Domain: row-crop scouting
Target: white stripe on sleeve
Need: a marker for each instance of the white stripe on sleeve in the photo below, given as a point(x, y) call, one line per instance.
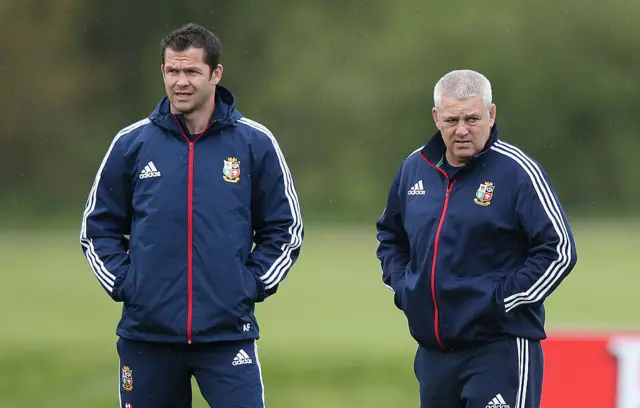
point(278, 269)
point(551, 208)
point(106, 278)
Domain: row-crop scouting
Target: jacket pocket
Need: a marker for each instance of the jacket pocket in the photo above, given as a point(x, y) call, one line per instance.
point(495, 314)
point(468, 308)
point(398, 295)
point(125, 288)
point(254, 287)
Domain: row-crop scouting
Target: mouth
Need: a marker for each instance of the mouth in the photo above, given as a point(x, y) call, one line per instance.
point(183, 95)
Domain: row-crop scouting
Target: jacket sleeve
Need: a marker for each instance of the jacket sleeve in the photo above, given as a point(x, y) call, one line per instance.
point(106, 222)
point(551, 248)
point(277, 221)
point(393, 243)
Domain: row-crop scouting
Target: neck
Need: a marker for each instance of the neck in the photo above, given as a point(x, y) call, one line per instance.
point(198, 120)
point(454, 161)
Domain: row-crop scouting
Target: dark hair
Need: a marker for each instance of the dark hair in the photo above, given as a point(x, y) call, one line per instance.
point(193, 35)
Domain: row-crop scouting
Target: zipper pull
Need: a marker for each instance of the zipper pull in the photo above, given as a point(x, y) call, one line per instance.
point(190, 146)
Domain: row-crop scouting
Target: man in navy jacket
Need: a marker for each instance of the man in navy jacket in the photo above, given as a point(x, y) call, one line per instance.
point(169, 229)
point(472, 241)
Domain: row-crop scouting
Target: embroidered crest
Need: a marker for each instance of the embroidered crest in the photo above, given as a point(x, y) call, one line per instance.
point(231, 170)
point(484, 194)
point(128, 405)
point(127, 378)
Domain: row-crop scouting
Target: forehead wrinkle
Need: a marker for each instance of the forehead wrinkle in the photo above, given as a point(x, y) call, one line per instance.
point(183, 57)
point(461, 112)
point(457, 111)
point(184, 65)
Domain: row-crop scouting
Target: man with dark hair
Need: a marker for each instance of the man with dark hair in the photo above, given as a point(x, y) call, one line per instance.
point(472, 241)
point(169, 228)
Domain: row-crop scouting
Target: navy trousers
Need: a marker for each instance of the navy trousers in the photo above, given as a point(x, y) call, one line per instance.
point(502, 374)
point(158, 375)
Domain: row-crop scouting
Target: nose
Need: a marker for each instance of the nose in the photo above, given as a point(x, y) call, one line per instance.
point(461, 128)
point(183, 80)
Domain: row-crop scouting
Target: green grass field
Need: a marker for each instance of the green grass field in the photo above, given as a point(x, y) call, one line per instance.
point(331, 337)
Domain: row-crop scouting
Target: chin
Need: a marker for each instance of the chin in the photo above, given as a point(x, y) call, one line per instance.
point(184, 109)
point(464, 157)
point(464, 154)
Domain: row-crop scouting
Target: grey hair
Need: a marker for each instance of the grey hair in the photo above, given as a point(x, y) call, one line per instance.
point(462, 85)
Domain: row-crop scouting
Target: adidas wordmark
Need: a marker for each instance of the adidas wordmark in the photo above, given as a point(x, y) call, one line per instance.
point(417, 189)
point(149, 171)
point(242, 358)
point(498, 402)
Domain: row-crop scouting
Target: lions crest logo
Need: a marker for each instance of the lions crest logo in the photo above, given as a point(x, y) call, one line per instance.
point(484, 194)
point(231, 170)
point(127, 378)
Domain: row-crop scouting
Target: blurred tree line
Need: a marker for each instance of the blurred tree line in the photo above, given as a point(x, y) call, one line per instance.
point(346, 87)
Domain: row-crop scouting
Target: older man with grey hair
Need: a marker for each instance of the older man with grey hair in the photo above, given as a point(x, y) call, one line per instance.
point(472, 241)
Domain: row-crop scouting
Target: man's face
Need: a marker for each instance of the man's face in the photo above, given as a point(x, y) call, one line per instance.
point(465, 126)
point(188, 80)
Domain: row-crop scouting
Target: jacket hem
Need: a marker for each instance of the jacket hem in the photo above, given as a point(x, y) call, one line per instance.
point(182, 339)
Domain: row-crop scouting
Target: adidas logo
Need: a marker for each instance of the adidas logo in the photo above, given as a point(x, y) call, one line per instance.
point(242, 358)
point(417, 189)
point(498, 402)
point(149, 171)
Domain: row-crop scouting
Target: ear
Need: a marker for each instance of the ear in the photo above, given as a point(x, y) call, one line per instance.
point(492, 114)
point(162, 69)
point(434, 113)
point(216, 75)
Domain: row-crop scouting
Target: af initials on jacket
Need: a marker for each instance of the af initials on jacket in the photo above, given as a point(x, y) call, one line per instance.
point(193, 206)
point(473, 258)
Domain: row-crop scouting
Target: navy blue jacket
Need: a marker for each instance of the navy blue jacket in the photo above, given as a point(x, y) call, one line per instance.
point(171, 220)
point(472, 258)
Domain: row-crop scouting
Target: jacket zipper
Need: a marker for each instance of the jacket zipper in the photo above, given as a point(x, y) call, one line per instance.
point(436, 313)
point(436, 244)
point(190, 243)
point(190, 228)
